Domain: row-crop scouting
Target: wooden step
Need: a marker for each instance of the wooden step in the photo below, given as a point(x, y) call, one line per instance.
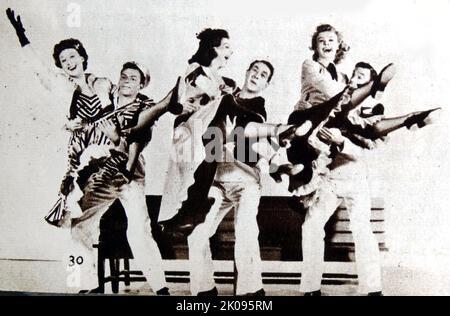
point(376, 214)
point(339, 238)
point(376, 203)
point(344, 226)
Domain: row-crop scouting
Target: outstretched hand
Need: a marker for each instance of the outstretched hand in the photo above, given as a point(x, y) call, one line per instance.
point(331, 136)
point(16, 23)
point(18, 26)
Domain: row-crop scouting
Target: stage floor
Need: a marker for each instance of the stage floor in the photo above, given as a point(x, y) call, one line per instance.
point(39, 276)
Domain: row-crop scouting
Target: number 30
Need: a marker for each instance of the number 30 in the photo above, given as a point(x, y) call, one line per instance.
point(78, 260)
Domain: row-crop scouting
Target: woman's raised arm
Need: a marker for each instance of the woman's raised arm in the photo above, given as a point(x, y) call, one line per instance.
point(46, 76)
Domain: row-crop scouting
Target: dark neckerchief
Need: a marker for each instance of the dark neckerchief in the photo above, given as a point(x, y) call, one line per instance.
point(331, 68)
point(333, 72)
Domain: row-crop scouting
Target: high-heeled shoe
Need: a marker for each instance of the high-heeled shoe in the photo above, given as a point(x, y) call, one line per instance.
point(380, 83)
point(287, 169)
point(367, 112)
point(174, 106)
point(418, 118)
point(292, 132)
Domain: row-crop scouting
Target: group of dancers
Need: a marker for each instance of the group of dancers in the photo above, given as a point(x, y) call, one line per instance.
point(220, 141)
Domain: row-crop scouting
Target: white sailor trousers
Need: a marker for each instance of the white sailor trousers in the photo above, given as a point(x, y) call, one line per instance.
point(85, 230)
point(356, 195)
point(244, 198)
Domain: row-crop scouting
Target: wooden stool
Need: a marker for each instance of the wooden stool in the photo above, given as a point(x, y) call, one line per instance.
point(113, 246)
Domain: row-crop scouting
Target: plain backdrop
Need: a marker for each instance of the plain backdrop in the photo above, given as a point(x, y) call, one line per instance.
point(410, 171)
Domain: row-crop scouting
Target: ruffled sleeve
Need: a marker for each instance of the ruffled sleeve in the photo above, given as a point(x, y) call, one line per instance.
point(355, 118)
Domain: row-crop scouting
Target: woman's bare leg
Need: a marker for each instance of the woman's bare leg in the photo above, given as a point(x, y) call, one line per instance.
point(388, 125)
point(262, 130)
point(169, 103)
point(149, 116)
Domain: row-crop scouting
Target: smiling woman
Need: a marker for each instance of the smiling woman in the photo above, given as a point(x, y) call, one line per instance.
point(90, 95)
point(328, 45)
point(223, 52)
point(408, 32)
point(205, 88)
point(71, 56)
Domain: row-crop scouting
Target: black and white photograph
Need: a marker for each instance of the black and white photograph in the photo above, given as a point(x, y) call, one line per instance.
point(225, 148)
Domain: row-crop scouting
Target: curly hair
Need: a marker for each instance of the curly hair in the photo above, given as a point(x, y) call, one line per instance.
point(342, 49)
point(209, 38)
point(67, 44)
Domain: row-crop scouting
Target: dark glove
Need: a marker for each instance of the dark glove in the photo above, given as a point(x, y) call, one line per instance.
point(18, 26)
point(66, 185)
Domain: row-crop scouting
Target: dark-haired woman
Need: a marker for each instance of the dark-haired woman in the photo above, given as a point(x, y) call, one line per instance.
point(204, 88)
point(89, 123)
point(91, 99)
point(103, 181)
point(90, 95)
point(203, 92)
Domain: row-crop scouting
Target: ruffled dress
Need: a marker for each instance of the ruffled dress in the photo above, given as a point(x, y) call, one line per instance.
point(204, 90)
point(336, 112)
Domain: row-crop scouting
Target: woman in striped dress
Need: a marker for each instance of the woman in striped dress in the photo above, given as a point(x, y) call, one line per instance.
point(103, 180)
point(91, 99)
point(90, 94)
